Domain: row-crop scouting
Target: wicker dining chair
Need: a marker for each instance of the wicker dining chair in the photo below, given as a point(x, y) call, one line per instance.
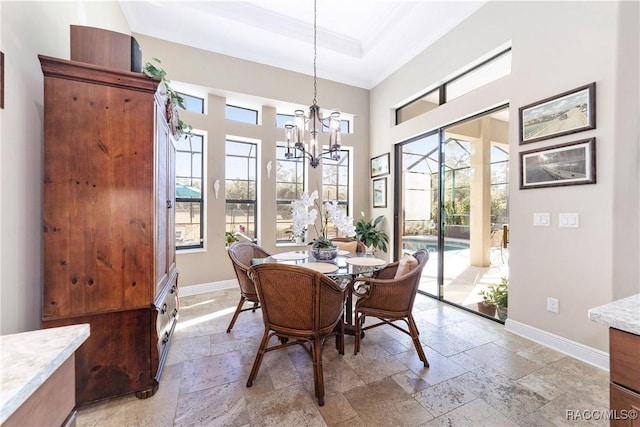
point(351, 245)
point(299, 306)
point(241, 254)
point(388, 296)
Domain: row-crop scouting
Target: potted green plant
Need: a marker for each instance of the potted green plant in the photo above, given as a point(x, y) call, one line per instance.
point(486, 306)
point(174, 99)
point(369, 234)
point(498, 295)
point(231, 237)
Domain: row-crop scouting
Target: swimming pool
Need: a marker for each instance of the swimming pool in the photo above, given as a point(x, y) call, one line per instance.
point(414, 243)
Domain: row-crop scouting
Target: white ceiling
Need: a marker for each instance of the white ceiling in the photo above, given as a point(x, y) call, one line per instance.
point(360, 42)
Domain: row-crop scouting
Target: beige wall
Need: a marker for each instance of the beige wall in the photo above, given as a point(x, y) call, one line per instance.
point(28, 29)
point(223, 79)
point(583, 267)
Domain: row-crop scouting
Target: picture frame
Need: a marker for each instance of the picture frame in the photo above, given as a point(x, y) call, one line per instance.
point(573, 163)
point(569, 112)
point(380, 165)
point(1, 80)
point(380, 193)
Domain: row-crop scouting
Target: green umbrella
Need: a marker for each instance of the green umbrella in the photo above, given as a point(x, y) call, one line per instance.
point(186, 191)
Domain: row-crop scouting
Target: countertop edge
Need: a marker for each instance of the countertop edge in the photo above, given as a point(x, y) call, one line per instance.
point(12, 403)
point(622, 314)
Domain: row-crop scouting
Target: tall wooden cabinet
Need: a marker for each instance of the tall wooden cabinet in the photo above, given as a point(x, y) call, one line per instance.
point(109, 238)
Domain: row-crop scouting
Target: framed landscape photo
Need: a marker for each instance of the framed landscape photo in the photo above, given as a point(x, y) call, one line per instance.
point(568, 112)
point(380, 165)
point(380, 193)
point(573, 163)
point(1, 80)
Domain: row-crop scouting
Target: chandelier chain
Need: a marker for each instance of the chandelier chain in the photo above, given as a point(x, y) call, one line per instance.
point(315, 51)
point(314, 123)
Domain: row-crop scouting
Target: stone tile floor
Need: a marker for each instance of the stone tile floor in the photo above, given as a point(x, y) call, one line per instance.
point(480, 375)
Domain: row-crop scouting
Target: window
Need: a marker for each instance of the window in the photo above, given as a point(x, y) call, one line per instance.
point(282, 119)
point(241, 114)
point(479, 75)
point(335, 184)
point(290, 175)
point(499, 185)
point(420, 106)
point(189, 201)
point(192, 103)
point(241, 171)
point(344, 126)
point(488, 71)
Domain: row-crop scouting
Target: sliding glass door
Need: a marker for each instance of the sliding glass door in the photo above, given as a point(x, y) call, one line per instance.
point(418, 217)
point(453, 199)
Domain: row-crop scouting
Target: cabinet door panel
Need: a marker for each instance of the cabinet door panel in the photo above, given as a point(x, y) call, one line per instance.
point(97, 198)
point(163, 204)
point(626, 406)
point(115, 359)
point(624, 359)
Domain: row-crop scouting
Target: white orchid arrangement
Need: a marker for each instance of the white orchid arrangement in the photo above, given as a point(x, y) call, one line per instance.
point(302, 217)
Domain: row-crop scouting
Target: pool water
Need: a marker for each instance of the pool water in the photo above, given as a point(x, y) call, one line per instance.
point(417, 244)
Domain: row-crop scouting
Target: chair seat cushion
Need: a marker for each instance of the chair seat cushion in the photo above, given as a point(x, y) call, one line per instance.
point(406, 265)
point(347, 246)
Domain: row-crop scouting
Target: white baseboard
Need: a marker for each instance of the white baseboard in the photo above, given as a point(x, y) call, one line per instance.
point(208, 287)
point(590, 355)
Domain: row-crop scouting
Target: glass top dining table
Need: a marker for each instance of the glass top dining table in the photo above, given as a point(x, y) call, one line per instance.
point(346, 265)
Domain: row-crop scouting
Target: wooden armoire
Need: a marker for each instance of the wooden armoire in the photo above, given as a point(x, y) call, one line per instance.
point(109, 238)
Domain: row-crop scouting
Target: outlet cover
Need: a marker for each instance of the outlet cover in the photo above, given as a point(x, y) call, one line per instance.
point(553, 305)
point(569, 220)
point(542, 219)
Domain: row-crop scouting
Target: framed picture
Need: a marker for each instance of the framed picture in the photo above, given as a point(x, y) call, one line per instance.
point(380, 193)
point(569, 112)
point(1, 80)
point(380, 165)
point(573, 163)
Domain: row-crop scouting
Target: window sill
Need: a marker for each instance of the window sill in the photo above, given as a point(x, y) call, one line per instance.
point(190, 251)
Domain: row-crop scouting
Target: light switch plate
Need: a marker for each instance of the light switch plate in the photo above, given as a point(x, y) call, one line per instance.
point(569, 220)
point(542, 219)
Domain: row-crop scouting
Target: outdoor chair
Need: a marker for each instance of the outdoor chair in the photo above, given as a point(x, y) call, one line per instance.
point(242, 254)
point(388, 296)
point(299, 306)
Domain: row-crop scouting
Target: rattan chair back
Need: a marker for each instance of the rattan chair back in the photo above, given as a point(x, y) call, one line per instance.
point(241, 255)
point(299, 306)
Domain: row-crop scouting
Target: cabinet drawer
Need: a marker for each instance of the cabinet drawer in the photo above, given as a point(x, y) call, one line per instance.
point(167, 311)
point(624, 349)
point(625, 405)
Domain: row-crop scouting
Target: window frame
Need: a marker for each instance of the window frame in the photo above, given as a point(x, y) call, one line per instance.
point(191, 200)
point(441, 89)
point(348, 203)
point(303, 163)
point(254, 201)
point(229, 107)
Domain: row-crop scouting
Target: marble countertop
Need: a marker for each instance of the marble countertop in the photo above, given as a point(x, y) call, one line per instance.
point(28, 359)
point(623, 314)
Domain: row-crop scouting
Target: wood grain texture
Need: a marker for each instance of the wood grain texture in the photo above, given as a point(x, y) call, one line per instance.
point(109, 248)
point(624, 359)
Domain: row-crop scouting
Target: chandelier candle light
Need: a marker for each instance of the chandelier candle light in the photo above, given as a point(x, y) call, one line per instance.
point(314, 123)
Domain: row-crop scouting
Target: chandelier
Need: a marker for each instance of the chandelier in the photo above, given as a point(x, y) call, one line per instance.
point(297, 146)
